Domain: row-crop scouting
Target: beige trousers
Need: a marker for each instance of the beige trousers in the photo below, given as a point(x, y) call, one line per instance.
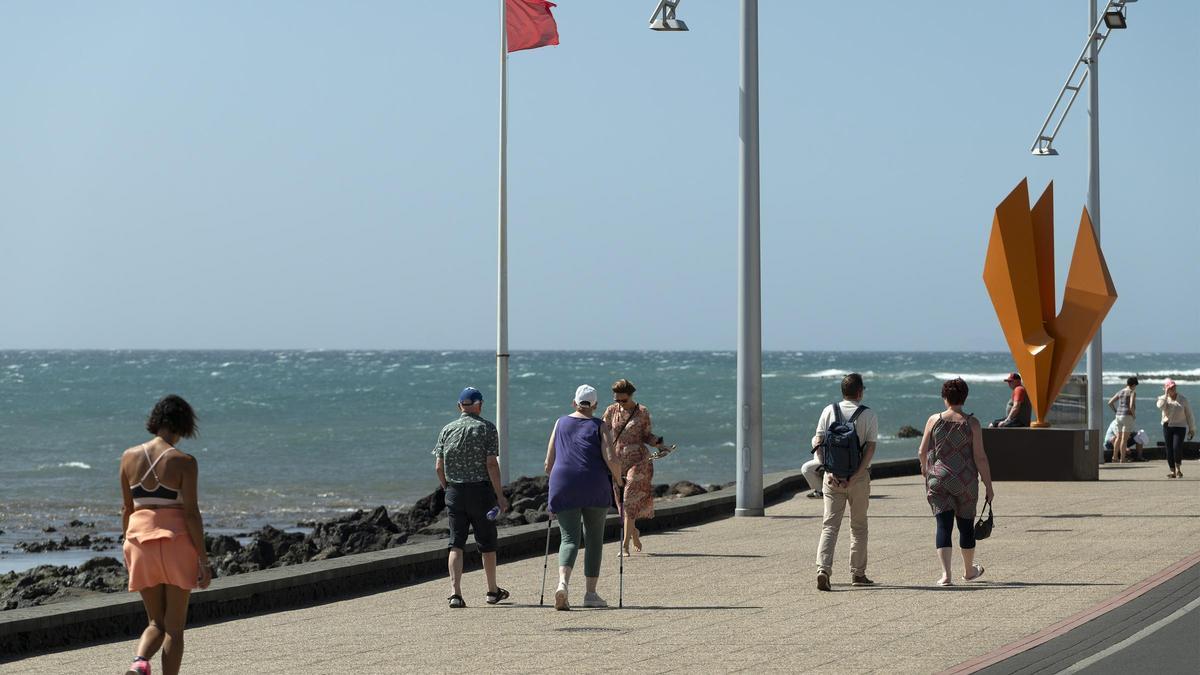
point(858, 496)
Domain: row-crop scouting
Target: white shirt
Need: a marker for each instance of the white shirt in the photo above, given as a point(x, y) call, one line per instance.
point(867, 424)
point(1177, 413)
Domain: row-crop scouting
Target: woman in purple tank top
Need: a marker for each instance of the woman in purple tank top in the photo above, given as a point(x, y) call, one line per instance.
point(581, 466)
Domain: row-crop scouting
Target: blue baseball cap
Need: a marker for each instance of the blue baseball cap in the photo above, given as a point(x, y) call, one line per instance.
point(470, 396)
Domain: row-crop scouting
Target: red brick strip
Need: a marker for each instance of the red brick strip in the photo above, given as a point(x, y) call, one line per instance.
point(1055, 630)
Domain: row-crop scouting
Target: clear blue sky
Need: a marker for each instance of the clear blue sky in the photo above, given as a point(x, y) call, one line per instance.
point(323, 175)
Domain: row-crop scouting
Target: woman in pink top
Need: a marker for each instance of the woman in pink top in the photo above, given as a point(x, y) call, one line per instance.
point(1177, 421)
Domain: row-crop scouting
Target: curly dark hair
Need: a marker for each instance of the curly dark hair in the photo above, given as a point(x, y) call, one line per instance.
point(173, 414)
point(955, 391)
point(1131, 381)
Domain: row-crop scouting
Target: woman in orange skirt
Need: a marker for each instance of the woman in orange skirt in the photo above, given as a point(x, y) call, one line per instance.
point(164, 535)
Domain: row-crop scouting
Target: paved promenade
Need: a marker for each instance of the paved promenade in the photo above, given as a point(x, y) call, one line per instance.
point(740, 594)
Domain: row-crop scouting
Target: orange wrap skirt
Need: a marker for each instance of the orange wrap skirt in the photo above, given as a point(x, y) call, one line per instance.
point(158, 550)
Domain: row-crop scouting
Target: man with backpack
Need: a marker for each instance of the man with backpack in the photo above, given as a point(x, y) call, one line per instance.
point(845, 443)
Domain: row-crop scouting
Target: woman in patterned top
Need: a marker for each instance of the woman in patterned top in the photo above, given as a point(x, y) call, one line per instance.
point(630, 422)
point(952, 461)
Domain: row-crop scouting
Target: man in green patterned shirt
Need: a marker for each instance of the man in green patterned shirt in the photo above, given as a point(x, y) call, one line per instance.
point(468, 468)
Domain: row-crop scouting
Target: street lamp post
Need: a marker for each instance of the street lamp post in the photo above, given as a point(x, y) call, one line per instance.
point(749, 359)
point(749, 337)
point(1087, 69)
point(1095, 351)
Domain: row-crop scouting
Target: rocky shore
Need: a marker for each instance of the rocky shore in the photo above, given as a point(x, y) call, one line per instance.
point(268, 546)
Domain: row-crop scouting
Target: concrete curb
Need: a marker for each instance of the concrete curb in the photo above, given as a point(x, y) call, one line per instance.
point(121, 615)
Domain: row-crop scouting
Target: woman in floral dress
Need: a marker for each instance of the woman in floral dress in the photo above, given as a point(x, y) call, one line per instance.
point(952, 462)
point(630, 422)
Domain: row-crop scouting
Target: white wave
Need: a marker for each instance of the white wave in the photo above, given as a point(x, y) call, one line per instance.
point(1161, 374)
point(770, 375)
point(831, 373)
point(65, 465)
point(729, 444)
point(215, 373)
point(530, 374)
point(828, 372)
point(227, 364)
point(973, 377)
point(1119, 380)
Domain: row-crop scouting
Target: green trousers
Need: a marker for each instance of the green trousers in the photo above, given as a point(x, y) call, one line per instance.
point(591, 520)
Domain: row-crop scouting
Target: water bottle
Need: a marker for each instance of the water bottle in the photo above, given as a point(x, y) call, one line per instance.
point(491, 515)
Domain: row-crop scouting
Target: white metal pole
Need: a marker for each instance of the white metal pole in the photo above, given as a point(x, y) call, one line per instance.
point(1095, 366)
point(749, 359)
point(502, 260)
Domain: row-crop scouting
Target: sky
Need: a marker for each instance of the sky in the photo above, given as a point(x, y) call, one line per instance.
point(320, 175)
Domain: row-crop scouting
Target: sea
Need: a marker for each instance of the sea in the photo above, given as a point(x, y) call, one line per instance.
point(288, 436)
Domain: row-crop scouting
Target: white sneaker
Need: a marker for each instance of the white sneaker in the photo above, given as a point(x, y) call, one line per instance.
point(560, 598)
point(593, 600)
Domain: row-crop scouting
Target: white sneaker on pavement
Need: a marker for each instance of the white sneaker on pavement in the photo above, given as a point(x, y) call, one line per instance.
point(560, 598)
point(593, 600)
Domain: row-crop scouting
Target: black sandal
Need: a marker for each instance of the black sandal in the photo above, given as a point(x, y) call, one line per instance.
point(457, 602)
point(500, 594)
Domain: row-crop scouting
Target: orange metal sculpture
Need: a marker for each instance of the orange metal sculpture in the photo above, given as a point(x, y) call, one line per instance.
point(1019, 275)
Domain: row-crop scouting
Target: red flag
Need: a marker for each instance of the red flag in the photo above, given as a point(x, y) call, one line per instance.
point(530, 24)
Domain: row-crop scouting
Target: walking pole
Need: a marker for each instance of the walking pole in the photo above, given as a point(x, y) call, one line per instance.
point(621, 554)
point(545, 562)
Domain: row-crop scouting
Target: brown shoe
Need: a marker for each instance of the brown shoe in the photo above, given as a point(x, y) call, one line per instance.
point(822, 580)
point(861, 581)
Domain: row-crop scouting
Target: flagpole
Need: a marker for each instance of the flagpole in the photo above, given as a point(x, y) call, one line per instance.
point(502, 259)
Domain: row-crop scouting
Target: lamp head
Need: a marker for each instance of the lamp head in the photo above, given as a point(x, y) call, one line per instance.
point(663, 19)
point(668, 25)
point(1114, 19)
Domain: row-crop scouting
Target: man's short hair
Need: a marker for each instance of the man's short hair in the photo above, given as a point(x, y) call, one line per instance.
point(852, 385)
point(1131, 382)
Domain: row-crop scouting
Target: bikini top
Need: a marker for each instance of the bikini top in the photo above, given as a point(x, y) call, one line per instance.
point(159, 496)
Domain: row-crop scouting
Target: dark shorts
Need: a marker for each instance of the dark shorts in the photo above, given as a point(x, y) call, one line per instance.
point(468, 504)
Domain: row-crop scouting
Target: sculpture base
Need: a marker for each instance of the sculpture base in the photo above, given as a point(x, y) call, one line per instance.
point(1043, 454)
point(1039, 425)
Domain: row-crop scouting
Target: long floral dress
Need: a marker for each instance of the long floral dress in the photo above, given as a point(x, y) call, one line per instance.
point(634, 457)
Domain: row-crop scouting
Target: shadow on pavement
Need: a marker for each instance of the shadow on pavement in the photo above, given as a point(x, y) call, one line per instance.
point(703, 555)
point(978, 585)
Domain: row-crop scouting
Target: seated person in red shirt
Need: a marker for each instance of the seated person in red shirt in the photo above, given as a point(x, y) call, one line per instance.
point(1019, 411)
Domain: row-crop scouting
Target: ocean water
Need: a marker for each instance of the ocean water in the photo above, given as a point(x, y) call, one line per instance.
point(291, 435)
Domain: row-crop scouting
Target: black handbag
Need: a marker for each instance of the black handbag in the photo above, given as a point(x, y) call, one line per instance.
point(983, 526)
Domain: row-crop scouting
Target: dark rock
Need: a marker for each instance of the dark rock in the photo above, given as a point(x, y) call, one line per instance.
point(80, 523)
point(525, 503)
point(661, 490)
point(512, 518)
point(327, 553)
point(221, 545)
point(49, 583)
point(48, 529)
point(686, 488)
point(536, 516)
point(712, 487)
point(439, 529)
point(103, 563)
point(908, 432)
